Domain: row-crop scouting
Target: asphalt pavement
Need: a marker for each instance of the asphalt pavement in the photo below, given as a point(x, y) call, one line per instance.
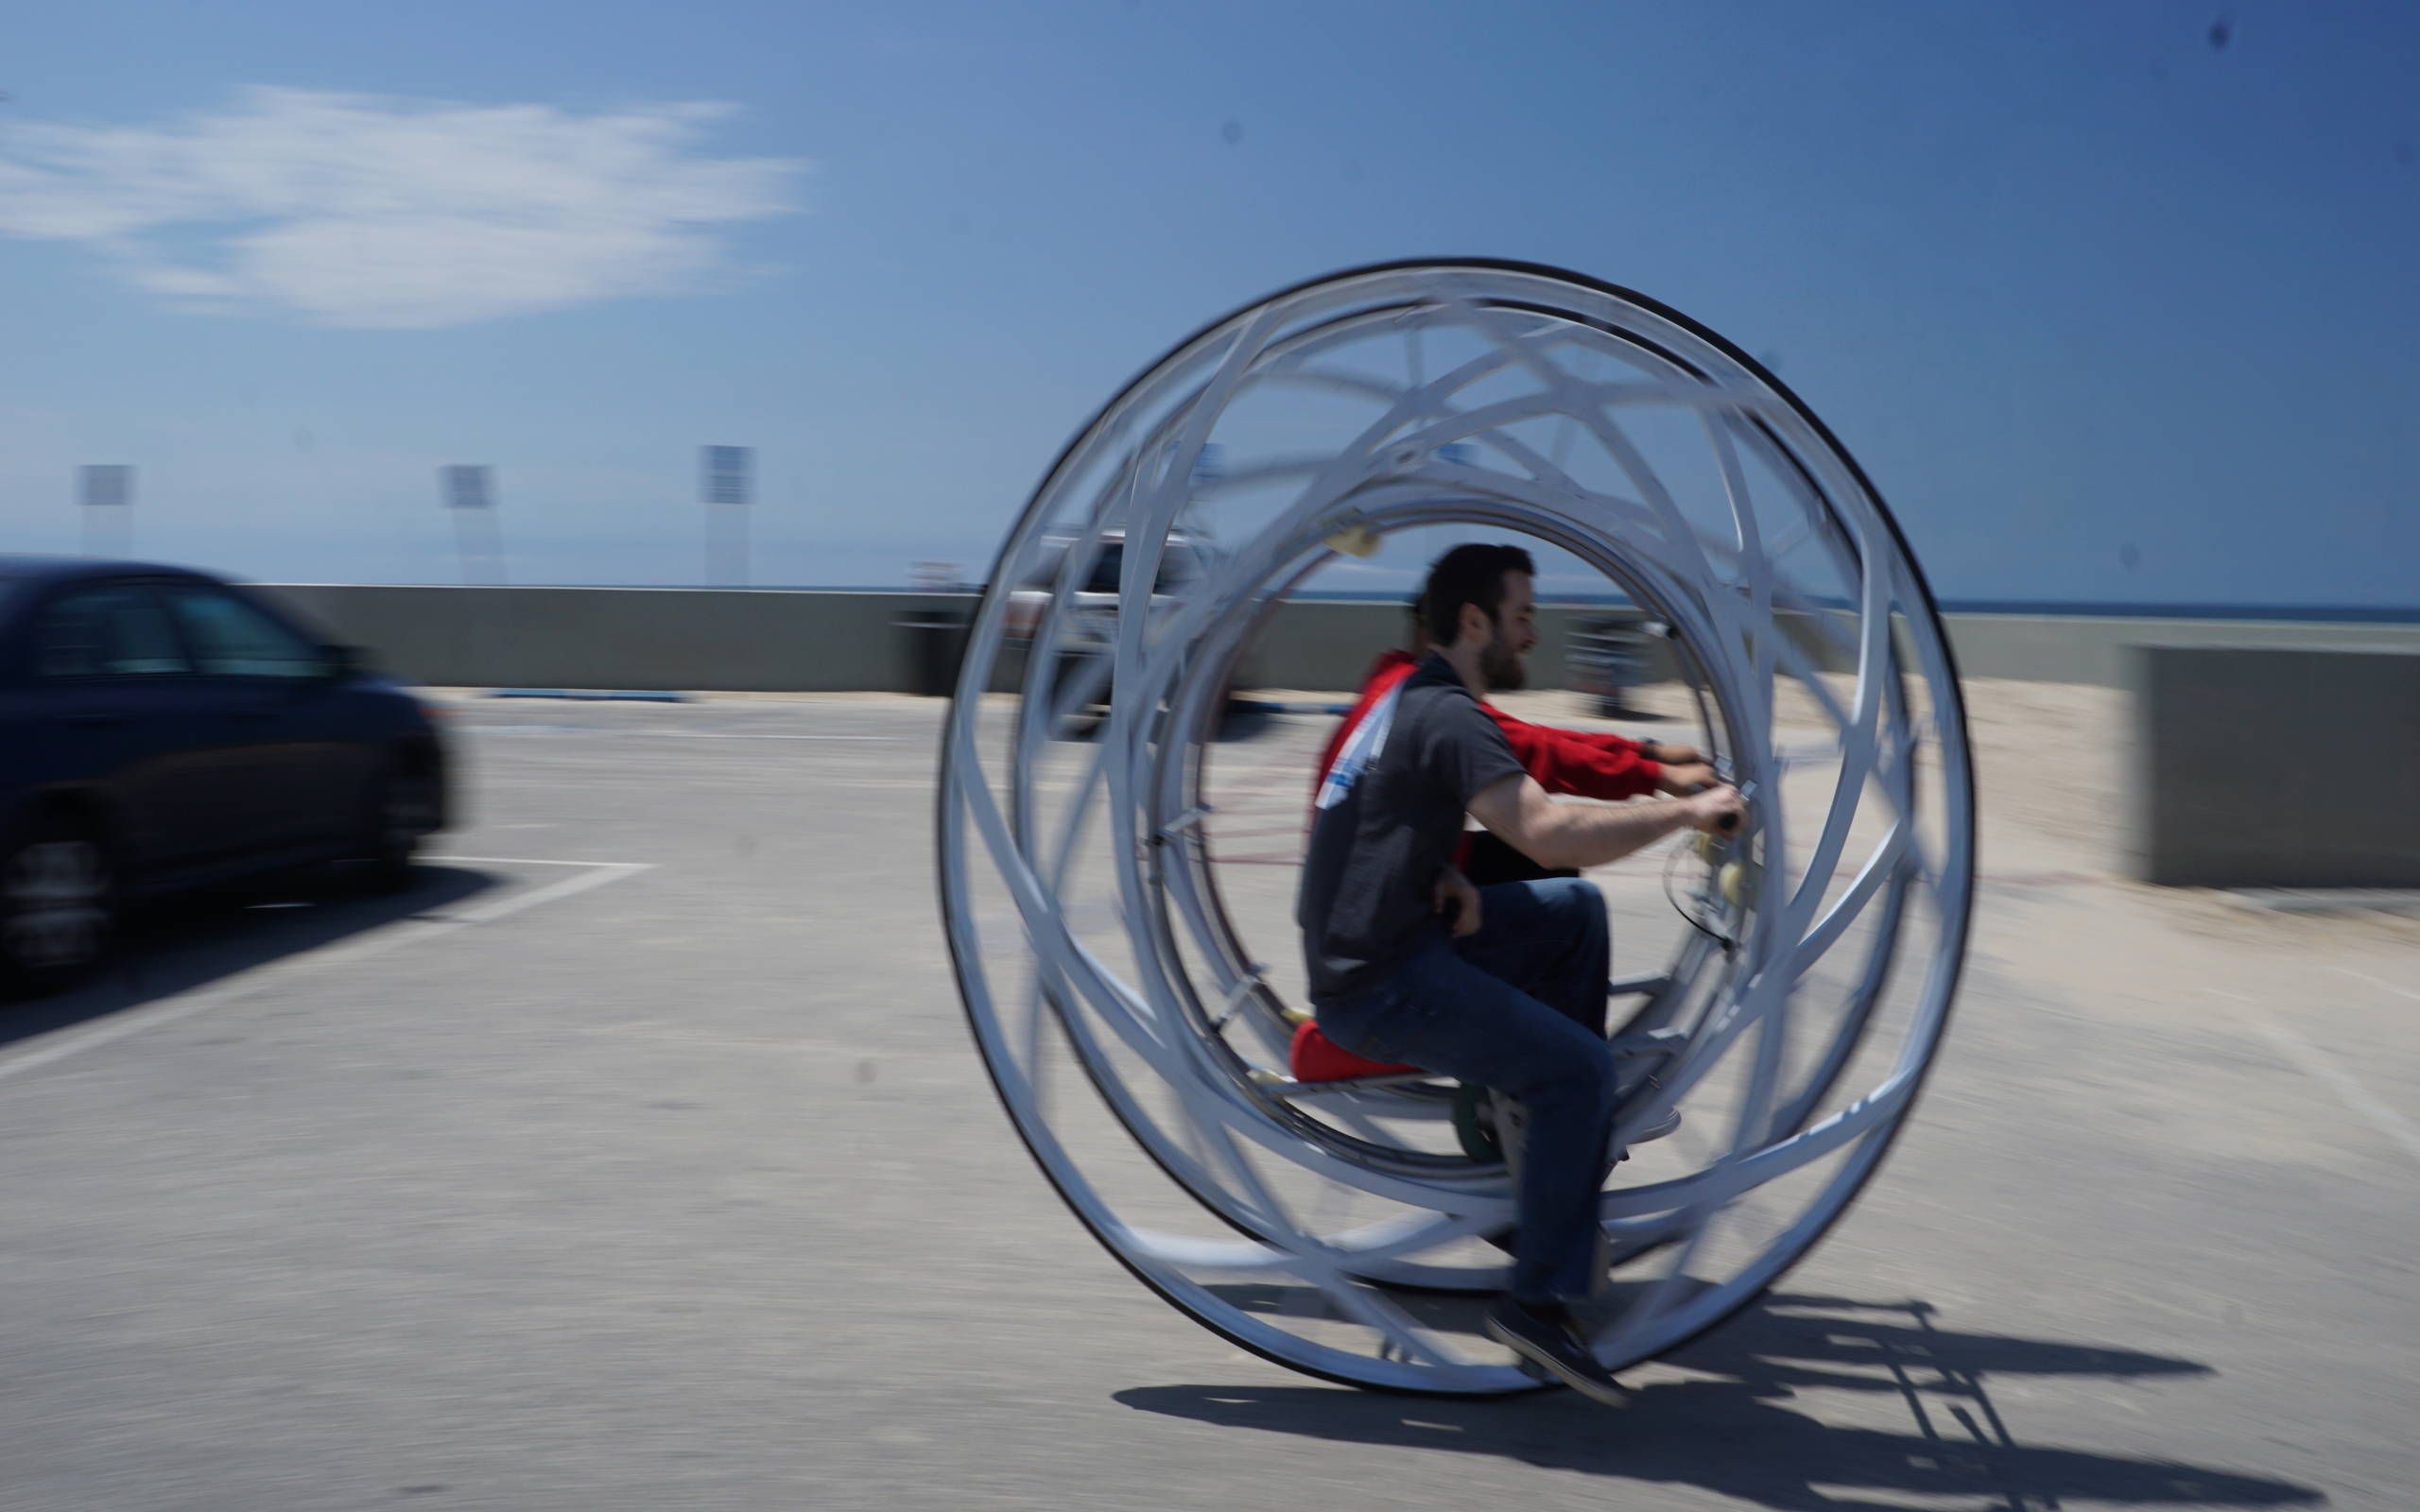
point(638, 1156)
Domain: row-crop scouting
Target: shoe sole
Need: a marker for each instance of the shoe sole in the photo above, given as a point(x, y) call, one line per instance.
point(1610, 1393)
point(1659, 1129)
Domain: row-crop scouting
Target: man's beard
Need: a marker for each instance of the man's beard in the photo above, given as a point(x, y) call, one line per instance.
point(1500, 666)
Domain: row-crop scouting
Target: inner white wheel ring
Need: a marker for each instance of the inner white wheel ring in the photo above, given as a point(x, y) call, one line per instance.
point(1868, 878)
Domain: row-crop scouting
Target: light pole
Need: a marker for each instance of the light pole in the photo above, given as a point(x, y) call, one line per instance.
point(469, 494)
point(727, 478)
point(106, 491)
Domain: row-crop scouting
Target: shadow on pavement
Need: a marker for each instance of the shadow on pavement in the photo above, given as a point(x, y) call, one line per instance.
point(1245, 719)
point(176, 946)
point(1727, 1435)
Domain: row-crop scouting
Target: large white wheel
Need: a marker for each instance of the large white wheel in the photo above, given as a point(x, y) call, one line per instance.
point(1131, 998)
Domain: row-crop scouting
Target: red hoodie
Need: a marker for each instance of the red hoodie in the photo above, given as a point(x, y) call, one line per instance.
point(1577, 761)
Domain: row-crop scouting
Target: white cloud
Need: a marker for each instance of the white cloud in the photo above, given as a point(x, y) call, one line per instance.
point(352, 210)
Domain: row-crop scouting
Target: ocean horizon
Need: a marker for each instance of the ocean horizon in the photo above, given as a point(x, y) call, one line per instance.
point(2068, 608)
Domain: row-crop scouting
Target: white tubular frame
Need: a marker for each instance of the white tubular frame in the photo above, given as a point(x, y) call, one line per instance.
point(1176, 1046)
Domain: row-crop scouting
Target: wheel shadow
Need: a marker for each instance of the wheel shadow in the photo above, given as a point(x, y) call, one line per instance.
point(1241, 721)
point(1246, 719)
point(168, 948)
point(1724, 1431)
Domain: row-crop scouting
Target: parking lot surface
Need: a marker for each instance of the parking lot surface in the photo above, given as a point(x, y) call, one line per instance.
point(638, 1156)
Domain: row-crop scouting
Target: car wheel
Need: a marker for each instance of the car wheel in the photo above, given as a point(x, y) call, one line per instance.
point(58, 906)
point(403, 809)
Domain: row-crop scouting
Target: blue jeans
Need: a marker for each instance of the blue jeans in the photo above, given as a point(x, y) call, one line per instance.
point(1518, 1006)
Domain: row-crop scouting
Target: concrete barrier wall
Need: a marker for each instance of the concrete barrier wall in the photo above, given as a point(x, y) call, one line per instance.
point(2211, 695)
point(1324, 644)
point(2095, 651)
point(2256, 766)
point(808, 640)
point(701, 638)
point(766, 641)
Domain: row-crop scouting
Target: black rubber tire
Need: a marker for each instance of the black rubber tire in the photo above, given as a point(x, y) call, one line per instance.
point(387, 850)
point(1473, 1131)
point(20, 978)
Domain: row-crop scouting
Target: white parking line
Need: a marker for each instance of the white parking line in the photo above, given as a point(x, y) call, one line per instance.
point(51, 1049)
point(2365, 976)
point(603, 872)
point(665, 734)
point(523, 861)
point(2307, 1058)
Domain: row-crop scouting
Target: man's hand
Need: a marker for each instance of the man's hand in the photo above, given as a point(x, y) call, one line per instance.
point(1455, 897)
point(1685, 768)
point(1680, 779)
point(1717, 811)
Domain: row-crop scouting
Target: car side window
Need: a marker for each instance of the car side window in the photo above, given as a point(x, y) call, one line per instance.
point(113, 631)
point(1176, 569)
point(231, 639)
point(1106, 571)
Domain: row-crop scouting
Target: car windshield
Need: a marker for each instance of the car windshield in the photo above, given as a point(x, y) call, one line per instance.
point(1176, 569)
point(1179, 565)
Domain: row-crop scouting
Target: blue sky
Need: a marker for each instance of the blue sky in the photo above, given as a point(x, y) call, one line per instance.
point(2108, 311)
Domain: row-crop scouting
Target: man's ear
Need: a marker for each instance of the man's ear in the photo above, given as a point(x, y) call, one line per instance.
point(1472, 625)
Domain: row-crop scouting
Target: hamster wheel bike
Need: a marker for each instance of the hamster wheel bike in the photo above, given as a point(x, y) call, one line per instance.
point(1113, 955)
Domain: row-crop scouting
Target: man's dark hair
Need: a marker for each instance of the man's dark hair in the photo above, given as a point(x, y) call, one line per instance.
point(1468, 574)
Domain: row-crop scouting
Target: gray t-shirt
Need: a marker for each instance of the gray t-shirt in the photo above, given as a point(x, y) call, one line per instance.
point(1388, 820)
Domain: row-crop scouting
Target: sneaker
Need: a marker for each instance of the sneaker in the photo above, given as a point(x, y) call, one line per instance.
point(1660, 1129)
point(1549, 1341)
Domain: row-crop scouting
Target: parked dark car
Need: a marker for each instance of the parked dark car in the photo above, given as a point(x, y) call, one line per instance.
point(162, 730)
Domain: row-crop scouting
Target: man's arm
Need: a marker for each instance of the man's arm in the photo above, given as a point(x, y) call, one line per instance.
point(1583, 765)
point(1556, 836)
point(1600, 765)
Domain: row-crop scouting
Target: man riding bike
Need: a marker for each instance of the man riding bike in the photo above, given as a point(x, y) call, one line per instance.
point(1501, 987)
